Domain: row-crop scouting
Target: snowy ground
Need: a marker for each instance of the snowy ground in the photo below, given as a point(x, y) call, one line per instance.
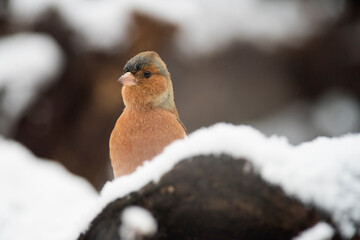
point(40, 200)
point(44, 200)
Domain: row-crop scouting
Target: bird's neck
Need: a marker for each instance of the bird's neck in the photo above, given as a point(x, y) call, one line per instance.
point(135, 99)
point(168, 105)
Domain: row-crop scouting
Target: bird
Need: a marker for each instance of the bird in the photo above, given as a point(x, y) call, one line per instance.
point(150, 120)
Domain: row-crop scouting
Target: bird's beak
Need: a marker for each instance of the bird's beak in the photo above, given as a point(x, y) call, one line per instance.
point(127, 79)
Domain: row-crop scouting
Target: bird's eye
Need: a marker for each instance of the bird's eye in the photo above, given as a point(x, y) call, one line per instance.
point(138, 66)
point(147, 74)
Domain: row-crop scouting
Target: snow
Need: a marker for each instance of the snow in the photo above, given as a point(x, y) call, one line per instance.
point(204, 26)
point(321, 231)
point(46, 202)
point(137, 221)
point(28, 63)
point(40, 199)
point(323, 172)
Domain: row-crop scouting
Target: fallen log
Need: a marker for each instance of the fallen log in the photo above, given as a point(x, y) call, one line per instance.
point(212, 197)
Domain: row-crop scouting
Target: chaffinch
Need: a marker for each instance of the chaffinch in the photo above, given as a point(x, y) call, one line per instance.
point(150, 120)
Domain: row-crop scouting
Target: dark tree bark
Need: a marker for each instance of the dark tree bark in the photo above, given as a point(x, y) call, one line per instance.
point(211, 197)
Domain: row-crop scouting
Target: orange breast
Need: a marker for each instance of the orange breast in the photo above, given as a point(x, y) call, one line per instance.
point(141, 135)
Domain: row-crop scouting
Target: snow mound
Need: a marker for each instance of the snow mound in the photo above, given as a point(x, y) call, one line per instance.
point(40, 199)
point(324, 172)
point(28, 63)
point(203, 25)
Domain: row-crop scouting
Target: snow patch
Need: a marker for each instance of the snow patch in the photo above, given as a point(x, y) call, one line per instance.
point(323, 172)
point(28, 63)
point(321, 231)
point(137, 223)
point(40, 199)
point(204, 26)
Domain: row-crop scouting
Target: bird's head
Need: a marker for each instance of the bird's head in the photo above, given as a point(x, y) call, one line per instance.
point(147, 82)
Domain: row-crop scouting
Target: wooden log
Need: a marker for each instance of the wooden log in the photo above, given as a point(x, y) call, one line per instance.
point(210, 197)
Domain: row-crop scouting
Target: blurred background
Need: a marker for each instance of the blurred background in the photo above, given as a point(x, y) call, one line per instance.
point(290, 68)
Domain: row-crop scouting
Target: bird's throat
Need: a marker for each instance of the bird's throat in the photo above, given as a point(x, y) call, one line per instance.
point(137, 98)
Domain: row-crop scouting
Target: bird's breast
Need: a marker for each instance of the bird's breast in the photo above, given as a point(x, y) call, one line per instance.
point(141, 135)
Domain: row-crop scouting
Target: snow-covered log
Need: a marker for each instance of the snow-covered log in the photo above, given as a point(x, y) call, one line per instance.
point(229, 182)
point(210, 198)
